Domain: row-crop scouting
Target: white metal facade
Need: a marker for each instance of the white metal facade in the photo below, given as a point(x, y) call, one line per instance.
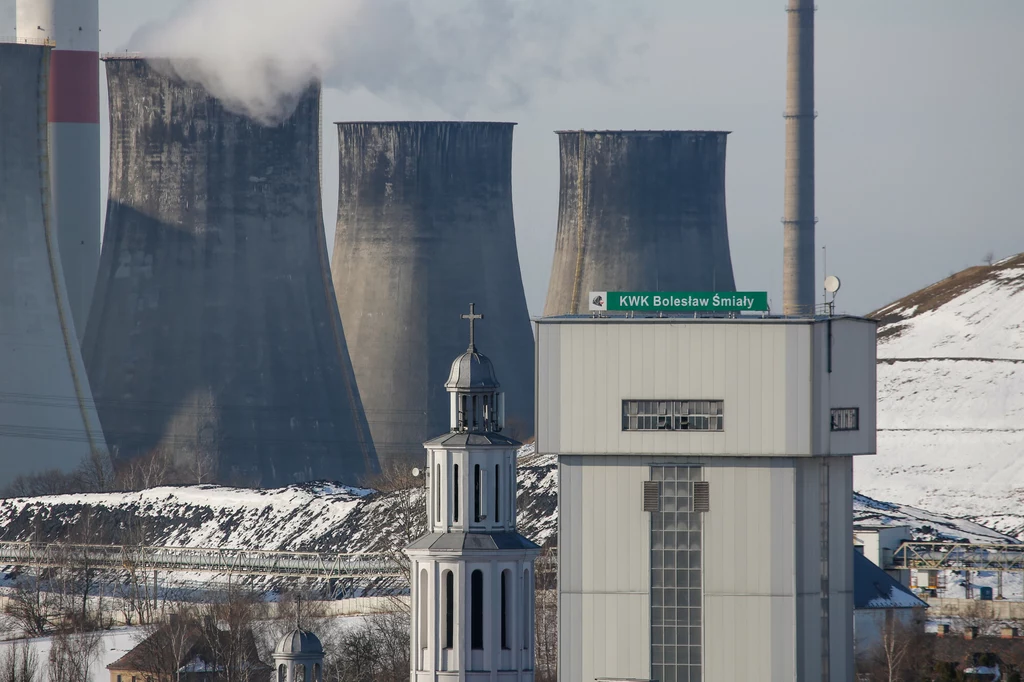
point(776, 543)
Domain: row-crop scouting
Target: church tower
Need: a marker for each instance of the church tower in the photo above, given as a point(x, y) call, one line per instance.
point(472, 573)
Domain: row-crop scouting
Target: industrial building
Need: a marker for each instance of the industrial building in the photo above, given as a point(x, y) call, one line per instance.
point(639, 211)
point(72, 27)
point(424, 224)
point(47, 417)
point(214, 332)
point(705, 497)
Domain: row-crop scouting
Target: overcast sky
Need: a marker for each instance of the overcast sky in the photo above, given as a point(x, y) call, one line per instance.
point(919, 132)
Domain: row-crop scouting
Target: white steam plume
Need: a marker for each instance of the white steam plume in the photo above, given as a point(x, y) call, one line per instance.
point(258, 55)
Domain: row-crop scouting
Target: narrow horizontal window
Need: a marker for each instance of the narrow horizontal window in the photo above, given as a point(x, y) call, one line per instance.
point(673, 415)
point(845, 418)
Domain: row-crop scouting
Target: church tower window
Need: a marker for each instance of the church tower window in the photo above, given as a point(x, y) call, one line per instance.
point(477, 493)
point(424, 598)
point(455, 500)
point(449, 609)
point(437, 493)
point(476, 605)
point(506, 575)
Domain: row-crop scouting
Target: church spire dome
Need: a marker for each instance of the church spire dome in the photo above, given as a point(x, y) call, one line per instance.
point(476, 403)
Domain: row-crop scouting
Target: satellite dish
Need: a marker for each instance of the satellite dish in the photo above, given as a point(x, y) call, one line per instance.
point(832, 284)
point(416, 472)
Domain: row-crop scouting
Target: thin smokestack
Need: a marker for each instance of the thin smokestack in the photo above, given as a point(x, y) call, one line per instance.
point(798, 221)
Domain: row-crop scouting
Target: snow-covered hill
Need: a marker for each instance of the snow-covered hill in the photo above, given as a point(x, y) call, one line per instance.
point(951, 398)
point(322, 517)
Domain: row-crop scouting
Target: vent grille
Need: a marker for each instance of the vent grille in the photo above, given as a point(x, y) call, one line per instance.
point(701, 496)
point(652, 496)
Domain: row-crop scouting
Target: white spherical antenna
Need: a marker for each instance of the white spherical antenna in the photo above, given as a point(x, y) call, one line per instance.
point(832, 284)
point(416, 472)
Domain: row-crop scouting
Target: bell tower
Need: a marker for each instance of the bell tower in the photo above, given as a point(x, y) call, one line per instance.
point(472, 574)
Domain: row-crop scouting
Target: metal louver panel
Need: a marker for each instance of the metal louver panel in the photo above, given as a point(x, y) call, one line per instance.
point(652, 496)
point(701, 496)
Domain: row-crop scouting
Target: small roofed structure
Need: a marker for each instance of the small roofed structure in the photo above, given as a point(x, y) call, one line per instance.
point(182, 650)
point(879, 601)
point(299, 657)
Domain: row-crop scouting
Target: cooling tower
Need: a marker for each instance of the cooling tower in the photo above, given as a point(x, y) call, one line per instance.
point(798, 282)
point(47, 420)
point(74, 117)
point(425, 228)
point(214, 332)
point(639, 211)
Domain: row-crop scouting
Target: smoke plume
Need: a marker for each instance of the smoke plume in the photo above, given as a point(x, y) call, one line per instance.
point(258, 55)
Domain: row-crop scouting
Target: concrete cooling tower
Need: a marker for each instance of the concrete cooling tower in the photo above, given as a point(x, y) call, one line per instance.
point(425, 228)
point(639, 211)
point(47, 419)
point(214, 332)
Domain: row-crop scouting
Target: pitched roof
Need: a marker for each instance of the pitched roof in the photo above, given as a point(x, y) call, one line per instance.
point(873, 588)
point(197, 654)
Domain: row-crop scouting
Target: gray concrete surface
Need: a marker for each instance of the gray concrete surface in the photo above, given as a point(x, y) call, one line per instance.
point(47, 418)
point(425, 227)
point(214, 332)
point(639, 211)
point(798, 281)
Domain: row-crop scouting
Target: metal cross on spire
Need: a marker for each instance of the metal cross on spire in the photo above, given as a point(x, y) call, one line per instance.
point(472, 317)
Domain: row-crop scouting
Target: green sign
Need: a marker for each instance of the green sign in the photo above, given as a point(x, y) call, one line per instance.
point(680, 302)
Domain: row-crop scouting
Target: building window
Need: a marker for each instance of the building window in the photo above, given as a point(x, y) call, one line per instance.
point(506, 576)
point(300, 672)
point(282, 673)
point(497, 493)
point(676, 578)
point(476, 608)
point(437, 493)
point(845, 418)
point(672, 415)
point(527, 602)
point(449, 609)
point(316, 673)
point(424, 614)
point(478, 493)
point(455, 500)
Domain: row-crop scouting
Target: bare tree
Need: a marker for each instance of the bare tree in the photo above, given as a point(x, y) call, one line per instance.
point(30, 604)
point(546, 616)
point(96, 473)
point(377, 651)
point(228, 632)
point(19, 663)
point(163, 647)
point(988, 258)
point(903, 653)
point(72, 654)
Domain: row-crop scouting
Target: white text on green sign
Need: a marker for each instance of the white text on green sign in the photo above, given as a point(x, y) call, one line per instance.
point(679, 302)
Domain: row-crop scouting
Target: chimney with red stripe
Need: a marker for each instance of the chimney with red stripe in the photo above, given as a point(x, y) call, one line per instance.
point(74, 116)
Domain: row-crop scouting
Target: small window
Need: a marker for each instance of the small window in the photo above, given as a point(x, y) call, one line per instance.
point(455, 497)
point(317, 677)
point(497, 493)
point(449, 610)
point(476, 609)
point(437, 493)
point(845, 418)
point(477, 493)
point(506, 612)
point(673, 415)
point(282, 673)
point(300, 672)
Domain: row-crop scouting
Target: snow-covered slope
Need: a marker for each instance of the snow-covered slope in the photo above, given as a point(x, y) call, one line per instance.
point(320, 517)
point(951, 398)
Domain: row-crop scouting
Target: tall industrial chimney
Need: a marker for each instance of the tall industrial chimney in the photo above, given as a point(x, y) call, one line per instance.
point(74, 118)
point(47, 417)
point(425, 228)
point(798, 281)
point(639, 211)
point(214, 332)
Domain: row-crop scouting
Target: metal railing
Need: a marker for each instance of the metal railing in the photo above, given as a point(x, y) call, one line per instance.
point(322, 565)
point(958, 556)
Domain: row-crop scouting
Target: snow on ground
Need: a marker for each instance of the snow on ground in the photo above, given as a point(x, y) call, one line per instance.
point(925, 526)
point(951, 399)
point(113, 645)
